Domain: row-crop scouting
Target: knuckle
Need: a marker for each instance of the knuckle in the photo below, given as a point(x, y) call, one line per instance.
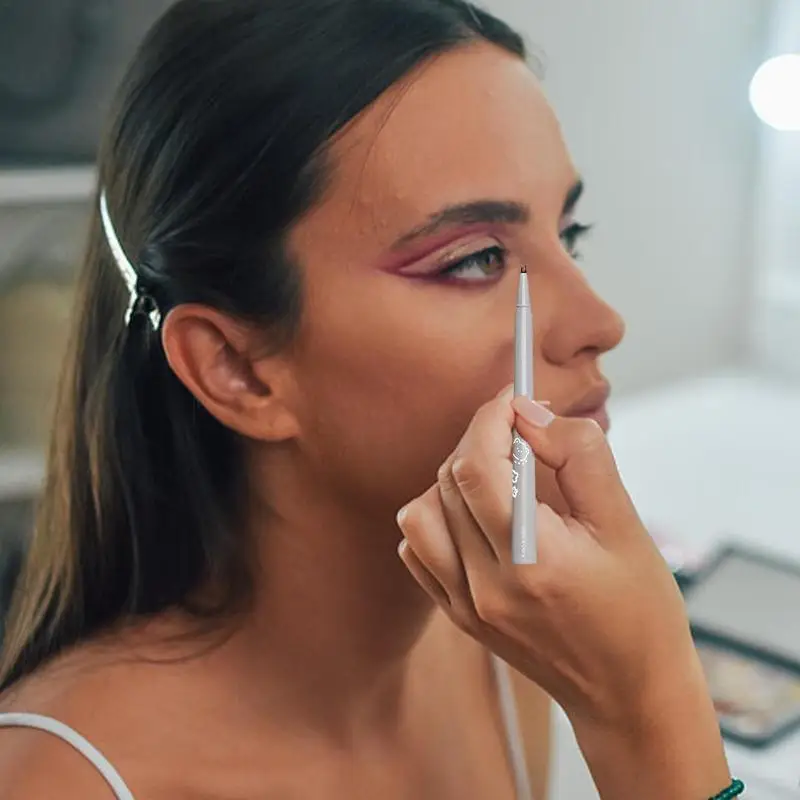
point(543, 591)
point(444, 475)
point(587, 435)
point(467, 474)
point(415, 517)
point(463, 615)
point(494, 415)
point(491, 608)
point(487, 411)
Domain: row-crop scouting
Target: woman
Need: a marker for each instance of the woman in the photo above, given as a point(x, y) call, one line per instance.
point(325, 205)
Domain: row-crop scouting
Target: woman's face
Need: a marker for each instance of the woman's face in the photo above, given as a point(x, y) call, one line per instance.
point(440, 192)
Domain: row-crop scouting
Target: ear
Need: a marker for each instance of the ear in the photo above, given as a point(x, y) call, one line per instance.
point(222, 362)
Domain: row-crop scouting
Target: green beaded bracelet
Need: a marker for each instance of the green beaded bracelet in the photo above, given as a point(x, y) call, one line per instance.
point(734, 790)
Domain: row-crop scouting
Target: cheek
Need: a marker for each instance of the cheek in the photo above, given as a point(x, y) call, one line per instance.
point(389, 389)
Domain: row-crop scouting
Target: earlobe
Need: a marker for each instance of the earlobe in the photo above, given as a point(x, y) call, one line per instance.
point(213, 355)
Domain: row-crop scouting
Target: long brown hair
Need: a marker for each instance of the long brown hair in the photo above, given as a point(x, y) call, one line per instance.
point(216, 146)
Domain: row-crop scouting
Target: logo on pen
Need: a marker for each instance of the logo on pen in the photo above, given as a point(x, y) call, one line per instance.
point(520, 450)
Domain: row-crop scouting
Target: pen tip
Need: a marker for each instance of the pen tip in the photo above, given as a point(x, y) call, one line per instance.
point(523, 268)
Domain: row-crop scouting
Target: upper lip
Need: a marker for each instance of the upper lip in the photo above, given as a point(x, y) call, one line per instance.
point(592, 400)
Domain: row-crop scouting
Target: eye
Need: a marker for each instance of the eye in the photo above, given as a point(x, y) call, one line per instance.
point(482, 265)
point(571, 237)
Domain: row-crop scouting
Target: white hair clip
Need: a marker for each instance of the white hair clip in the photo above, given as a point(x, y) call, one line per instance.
point(138, 300)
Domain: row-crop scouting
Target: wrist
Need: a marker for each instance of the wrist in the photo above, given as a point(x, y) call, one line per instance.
point(668, 746)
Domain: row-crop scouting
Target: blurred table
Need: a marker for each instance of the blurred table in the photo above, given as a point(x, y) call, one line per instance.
point(718, 459)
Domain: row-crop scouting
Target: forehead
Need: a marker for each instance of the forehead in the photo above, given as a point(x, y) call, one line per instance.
point(470, 124)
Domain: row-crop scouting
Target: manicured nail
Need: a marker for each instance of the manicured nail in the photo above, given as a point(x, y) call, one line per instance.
point(401, 548)
point(401, 515)
point(532, 412)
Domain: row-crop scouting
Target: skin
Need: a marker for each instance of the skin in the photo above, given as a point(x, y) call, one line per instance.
point(345, 427)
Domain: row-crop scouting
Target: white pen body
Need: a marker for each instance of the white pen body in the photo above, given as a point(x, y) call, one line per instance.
point(523, 476)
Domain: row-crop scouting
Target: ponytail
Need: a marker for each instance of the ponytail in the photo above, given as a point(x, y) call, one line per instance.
point(131, 519)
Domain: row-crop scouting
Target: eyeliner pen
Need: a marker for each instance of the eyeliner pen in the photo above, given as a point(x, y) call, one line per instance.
point(523, 480)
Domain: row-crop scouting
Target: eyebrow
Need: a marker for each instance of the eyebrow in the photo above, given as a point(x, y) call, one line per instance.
point(488, 212)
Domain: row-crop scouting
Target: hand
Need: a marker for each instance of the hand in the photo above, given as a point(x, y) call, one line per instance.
point(598, 622)
point(598, 611)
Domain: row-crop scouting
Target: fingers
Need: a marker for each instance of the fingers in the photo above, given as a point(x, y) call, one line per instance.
point(578, 451)
point(475, 489)
point(481, 478)
point(466, 531)
point(422, 575)
point(458, 528)
point(422, 523)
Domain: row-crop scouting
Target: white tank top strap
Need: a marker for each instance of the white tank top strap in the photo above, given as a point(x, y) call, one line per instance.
point(73, 738)
point(508, 709)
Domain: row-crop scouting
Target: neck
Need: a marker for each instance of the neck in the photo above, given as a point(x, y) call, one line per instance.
point(335, 620)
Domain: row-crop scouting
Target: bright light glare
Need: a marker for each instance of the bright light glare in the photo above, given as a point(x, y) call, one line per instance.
point(775, 92)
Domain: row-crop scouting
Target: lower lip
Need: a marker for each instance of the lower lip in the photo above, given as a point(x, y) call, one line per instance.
point(600, 416)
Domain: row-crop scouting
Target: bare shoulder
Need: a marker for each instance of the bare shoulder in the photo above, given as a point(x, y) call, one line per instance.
point(105, 697)
point(35, 765)
point(145, 700)
point(35, 762)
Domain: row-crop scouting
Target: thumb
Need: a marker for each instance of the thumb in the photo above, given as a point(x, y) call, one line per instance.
point(578, 452)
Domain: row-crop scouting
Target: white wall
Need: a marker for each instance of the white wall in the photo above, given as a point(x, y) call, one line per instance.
point(653, 97)
point(776, 326)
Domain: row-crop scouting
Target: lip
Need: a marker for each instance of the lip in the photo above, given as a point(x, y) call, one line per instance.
point(593, 406)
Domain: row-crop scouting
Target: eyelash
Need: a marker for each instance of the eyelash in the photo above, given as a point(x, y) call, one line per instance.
point(570, 237)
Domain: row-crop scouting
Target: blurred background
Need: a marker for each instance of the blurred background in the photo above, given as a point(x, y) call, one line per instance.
point(690, 149)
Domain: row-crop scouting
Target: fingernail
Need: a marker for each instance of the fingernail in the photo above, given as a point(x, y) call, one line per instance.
point(401, 548)
point(532, 412)
point(401, 515)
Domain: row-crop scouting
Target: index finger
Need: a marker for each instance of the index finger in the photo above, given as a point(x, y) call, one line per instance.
point(481, 469)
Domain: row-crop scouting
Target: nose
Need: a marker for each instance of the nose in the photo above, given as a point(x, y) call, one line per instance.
point(581, 323)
